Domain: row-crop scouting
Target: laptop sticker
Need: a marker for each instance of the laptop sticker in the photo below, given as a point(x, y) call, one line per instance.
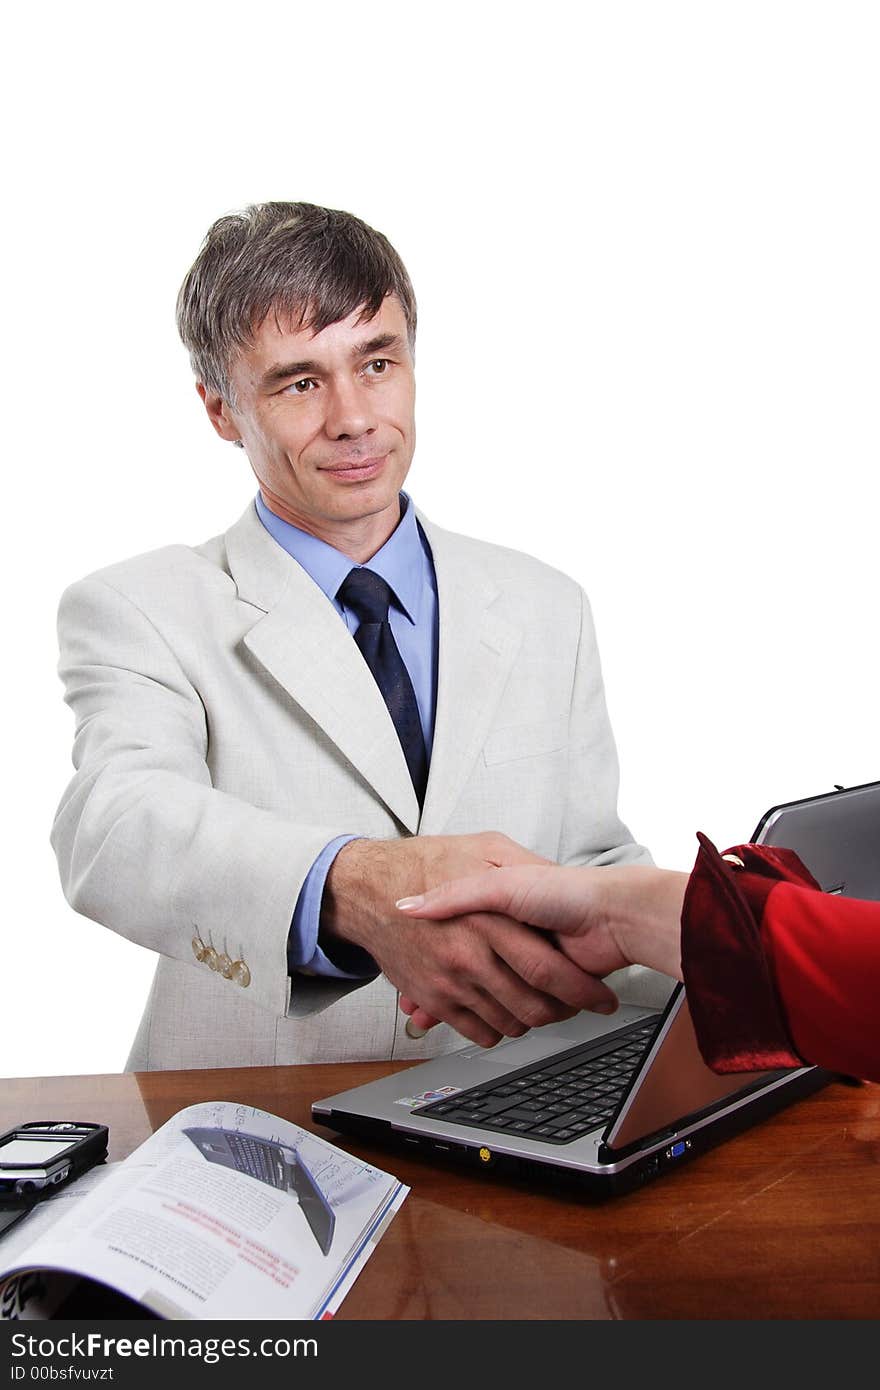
point(427, 1096)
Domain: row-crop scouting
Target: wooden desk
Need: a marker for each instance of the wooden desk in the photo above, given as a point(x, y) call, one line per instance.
point(780, 1222)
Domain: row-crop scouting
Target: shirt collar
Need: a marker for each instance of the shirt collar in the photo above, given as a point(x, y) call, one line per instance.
point(400, 561)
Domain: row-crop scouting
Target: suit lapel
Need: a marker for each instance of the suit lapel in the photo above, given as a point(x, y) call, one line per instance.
point(476, 653)
point(302, 642)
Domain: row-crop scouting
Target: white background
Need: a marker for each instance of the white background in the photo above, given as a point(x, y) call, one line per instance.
point(644, 238)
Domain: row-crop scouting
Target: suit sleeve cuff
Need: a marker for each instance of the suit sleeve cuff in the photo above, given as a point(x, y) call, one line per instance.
point(731, 990)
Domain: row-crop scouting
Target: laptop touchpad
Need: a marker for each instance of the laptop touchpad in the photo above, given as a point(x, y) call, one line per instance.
point(554, 1037)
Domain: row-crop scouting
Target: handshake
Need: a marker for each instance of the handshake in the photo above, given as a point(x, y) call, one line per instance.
point(477, 932)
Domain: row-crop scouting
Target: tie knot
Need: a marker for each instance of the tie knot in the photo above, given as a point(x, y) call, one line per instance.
point(366, 594)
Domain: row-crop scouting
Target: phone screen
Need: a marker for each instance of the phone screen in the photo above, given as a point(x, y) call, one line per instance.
point(18, 1150)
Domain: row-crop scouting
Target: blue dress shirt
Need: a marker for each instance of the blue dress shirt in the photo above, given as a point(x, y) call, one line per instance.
point(405, 563)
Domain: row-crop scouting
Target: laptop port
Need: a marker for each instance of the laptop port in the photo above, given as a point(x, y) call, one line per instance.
point(678, 1150)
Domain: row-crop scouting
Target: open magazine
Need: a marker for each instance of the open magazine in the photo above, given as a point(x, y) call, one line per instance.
point(224, 1212)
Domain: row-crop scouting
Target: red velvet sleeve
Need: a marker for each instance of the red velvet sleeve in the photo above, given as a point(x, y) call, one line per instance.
point(778, 972)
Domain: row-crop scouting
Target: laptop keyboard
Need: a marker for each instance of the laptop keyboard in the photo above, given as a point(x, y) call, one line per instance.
point(257, 1158)
point(556, 1100)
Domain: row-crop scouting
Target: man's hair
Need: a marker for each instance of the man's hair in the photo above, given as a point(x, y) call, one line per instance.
point(309, 265)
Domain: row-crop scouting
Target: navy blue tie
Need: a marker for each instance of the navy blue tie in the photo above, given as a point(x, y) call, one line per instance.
point(369, 597)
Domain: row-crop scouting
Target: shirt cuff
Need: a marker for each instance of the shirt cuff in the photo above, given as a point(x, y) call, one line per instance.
point(304, 955)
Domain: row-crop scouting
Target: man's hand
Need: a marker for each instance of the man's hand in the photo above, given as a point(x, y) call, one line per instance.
point(602, 919)
point(483, 973)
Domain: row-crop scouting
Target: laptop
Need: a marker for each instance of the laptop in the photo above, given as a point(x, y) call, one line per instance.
point(274, 1164)
point(610, 1103)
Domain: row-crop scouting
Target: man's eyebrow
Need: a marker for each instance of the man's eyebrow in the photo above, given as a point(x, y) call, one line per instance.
point(285, 371)
point(282, 371)
point(385, 342)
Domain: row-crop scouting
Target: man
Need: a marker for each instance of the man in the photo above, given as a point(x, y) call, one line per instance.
point(281, 731)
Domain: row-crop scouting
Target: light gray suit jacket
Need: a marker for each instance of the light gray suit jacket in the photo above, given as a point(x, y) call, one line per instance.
point(227, 728)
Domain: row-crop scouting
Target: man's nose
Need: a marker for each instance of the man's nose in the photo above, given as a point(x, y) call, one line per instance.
point(349, 411)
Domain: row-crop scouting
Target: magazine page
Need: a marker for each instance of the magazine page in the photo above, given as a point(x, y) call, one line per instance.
point(224, 1212)
point(32, 1294)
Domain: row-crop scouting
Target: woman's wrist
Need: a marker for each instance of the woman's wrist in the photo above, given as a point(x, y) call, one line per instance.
point(644, 916)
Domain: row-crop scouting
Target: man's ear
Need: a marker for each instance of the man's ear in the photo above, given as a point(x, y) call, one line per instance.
point(220, 414)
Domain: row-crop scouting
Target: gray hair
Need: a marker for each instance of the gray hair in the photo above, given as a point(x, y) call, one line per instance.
point(311, 265)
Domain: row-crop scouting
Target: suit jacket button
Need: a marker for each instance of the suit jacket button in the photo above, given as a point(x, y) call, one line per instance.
point(199, 948)
point(211, 959)
point(224, 966)
point(240, 974)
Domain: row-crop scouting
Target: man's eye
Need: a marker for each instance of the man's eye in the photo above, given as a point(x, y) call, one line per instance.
point(377, 366)
point(302, 387)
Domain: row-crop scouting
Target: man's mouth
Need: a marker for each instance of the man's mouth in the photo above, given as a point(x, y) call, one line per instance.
point(355, 470)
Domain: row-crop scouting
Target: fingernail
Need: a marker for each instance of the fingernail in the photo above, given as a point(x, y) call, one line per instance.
point(604, 1009)
point(404, 903)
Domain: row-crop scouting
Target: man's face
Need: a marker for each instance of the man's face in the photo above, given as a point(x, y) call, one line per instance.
point(327, 422)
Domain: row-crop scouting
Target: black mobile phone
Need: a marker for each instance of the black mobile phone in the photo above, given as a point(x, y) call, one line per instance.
point(38, 1157)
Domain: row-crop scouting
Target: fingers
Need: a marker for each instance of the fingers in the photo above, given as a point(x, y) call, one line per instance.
point(469, 1004)
point(420, 1018)
point(491, 891)
point(485, 973)
point(542, 981)
point(510, 977)
point(471, 1025)
point(526, 973)
point(474, 1028)
point(476, 991)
